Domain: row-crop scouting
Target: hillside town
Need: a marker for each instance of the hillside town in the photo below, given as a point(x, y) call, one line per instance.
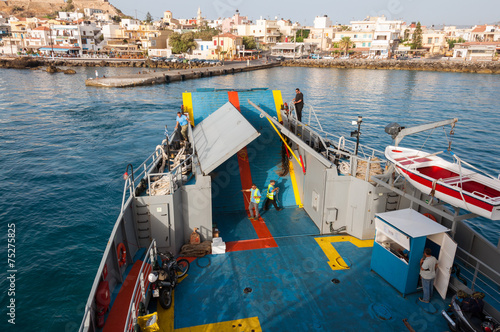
point(96, 33)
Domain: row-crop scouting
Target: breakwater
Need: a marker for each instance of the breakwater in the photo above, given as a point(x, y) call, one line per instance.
point(150, 77)
point(480, 67)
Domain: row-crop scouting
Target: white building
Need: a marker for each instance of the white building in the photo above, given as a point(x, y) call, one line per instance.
point(322, 22)
point(203, 49)
point(70, 16)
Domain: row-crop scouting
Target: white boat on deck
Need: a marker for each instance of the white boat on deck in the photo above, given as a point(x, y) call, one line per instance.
point(450, 182)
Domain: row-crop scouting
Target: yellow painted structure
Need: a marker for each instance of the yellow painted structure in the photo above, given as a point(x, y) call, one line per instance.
point(187, 101)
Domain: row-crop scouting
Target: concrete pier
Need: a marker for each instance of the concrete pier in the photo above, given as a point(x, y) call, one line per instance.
point(150, 77)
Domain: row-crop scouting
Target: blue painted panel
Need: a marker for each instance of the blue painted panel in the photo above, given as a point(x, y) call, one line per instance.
point(389, 267)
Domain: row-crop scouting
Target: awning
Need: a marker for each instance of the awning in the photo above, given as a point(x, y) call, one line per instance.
point(220, 136)
point(412, 223)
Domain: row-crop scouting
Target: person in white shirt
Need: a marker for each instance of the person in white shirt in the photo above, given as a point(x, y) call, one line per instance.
point(428, 265)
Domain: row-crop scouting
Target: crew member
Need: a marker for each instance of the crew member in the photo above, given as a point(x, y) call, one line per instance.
point(182, 120)
point(254, 201)
point(428, 265)
point(299, 103)
point(271, 195)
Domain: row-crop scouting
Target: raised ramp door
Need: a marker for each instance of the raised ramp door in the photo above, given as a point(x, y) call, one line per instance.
point(220, 136)
point(445, 261)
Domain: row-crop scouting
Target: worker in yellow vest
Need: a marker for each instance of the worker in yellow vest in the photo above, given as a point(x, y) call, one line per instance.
point(254, 201)
point(272, 191)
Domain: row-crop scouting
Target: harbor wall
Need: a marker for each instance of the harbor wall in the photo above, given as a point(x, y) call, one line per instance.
point(480, 67)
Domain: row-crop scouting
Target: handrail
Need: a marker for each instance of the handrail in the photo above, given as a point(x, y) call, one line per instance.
point(481, 265)
point(142, 284)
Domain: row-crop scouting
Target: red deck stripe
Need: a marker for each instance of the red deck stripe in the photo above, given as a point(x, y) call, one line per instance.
point(250, 244)
point(243, 162)
point(265, 238)
point(261, 228)
point(119, 310)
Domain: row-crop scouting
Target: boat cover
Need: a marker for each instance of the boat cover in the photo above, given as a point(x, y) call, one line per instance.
point(412, 223)
point(221, 135)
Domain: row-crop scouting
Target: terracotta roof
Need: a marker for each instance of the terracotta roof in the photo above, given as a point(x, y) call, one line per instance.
point(42, 28)
point(481, 43)
point(227, 34)
point(480, 28)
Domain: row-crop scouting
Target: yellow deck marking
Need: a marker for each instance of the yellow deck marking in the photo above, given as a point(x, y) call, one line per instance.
point(187, 101)
point(335, 260)
point(166, 317)
point(278, 101)
point(296, 192)
point(246, 324)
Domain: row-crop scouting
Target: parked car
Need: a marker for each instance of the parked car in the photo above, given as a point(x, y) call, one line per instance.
point(279, 58)
point(315, 56)
point(328, 57)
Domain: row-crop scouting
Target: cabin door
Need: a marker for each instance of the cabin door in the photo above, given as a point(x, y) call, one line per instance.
point(445, 261)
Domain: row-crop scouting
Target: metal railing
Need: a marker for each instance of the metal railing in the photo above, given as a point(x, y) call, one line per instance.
point(479, 281)
point(141, 287)
point(175, 175)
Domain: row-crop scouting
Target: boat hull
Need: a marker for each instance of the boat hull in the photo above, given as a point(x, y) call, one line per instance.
point(447, 181)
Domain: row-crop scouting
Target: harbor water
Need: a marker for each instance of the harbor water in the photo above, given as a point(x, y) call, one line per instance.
point(64, 148)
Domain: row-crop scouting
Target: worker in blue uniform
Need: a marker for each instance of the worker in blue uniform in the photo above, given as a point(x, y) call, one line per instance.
point(272, 192)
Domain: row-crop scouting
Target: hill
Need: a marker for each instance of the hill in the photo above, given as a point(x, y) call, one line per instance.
point(42, 8)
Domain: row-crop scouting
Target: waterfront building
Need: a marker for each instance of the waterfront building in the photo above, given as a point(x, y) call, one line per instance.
point(476, 50)
point(226, 46)
point(434, 41)
point(485, 33)
point(203, 49)
point(287, 29)
point(292, 50)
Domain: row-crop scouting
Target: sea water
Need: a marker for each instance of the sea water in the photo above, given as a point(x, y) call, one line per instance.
point(65, 146)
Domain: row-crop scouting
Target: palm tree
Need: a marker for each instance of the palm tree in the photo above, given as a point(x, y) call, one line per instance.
point(345, 43)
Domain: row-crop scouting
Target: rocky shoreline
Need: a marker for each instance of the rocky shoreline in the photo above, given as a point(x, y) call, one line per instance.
point(480, 67)
point(39, 63)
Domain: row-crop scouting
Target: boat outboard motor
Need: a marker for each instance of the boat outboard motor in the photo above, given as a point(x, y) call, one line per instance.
point(393, 129)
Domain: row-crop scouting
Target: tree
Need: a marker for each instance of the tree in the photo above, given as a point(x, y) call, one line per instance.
point(149, 18)
point(452, 42)
point(345, 43)
point(182, 43)
point(416, 41)
point(301, 34)
point(249, 43)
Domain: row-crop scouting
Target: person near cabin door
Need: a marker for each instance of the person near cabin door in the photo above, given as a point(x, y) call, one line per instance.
point(272, 191)
point(254, 201)
point(428, 265)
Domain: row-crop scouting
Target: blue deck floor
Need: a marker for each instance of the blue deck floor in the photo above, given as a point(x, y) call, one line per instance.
point(292, 288)
point(235, 226)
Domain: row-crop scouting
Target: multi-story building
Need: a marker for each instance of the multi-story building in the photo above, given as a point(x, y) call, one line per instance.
point(265, 32)
point(485, 33)
point(203, 49)
point(434, 41)
point(229, 25)
point(226, 46)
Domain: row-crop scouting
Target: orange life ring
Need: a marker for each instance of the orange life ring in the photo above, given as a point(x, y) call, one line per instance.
point(121, 253)
point(430, 216)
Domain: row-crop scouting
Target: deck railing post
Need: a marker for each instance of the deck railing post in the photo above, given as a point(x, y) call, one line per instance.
point(475, 276)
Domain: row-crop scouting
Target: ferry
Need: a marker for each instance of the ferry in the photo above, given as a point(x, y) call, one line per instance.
point(341, 253)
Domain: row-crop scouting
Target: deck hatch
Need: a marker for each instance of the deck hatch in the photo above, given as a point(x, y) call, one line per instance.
point(220, 136)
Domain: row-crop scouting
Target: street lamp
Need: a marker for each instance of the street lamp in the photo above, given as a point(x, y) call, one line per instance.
point(357, 133)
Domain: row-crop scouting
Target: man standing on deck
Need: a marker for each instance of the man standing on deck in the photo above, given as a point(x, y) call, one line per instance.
point(271, 195)
point(428, 265)
point(299, 103)
point(182, 120)
point(254, 201)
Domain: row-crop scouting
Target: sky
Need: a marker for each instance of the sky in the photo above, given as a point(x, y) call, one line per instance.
point(428, 12)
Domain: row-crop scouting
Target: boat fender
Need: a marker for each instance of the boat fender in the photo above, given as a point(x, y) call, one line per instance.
point(430, 216)
point(121, 253)
point(105, 271)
